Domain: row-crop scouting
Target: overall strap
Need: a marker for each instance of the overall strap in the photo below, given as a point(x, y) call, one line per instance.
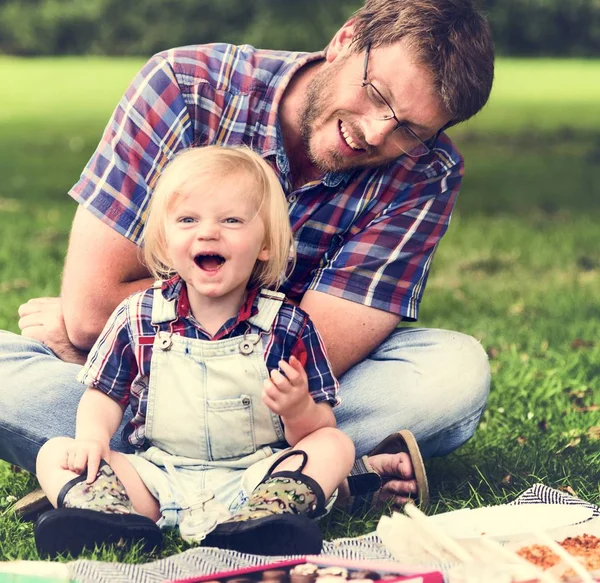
point(162, 310)
point(269, 303)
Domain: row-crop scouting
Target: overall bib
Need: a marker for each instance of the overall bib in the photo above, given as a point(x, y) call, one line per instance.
point(205, 418)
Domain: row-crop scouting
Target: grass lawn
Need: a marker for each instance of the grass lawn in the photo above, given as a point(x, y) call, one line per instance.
point(519, 268)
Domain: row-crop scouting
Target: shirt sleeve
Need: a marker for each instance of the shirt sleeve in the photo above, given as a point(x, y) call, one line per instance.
point(385, 264)
point(111, 366)
point(150, 124)
point(310, 351)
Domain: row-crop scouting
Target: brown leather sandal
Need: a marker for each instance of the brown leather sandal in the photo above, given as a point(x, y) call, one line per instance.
point(364, 484)
point(32, 505)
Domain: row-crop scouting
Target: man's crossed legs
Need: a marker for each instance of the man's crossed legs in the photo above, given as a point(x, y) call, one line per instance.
point(433, 382)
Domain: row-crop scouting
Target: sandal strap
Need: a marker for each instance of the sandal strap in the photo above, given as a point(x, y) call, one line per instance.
point(363, 479)
point(364, 484)
point(285, 456)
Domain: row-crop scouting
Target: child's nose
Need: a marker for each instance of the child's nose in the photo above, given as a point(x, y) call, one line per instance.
point(208, 230)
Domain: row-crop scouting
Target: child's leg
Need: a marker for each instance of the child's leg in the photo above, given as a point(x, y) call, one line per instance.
point(143, 501)
point(330, 458)
point(115, 508)
point(53, 477)
point(278, 517)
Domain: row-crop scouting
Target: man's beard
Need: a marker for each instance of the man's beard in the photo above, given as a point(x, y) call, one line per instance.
point(319, 95)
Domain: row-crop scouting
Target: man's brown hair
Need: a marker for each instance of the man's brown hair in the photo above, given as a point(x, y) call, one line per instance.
point(450, 37)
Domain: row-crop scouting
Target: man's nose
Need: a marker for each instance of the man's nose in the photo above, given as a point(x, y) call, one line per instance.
point(378, 131)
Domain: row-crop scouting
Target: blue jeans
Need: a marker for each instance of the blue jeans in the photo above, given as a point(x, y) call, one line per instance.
point(433, 382)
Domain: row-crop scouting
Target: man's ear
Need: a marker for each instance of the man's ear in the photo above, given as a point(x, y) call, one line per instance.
point(340, 41)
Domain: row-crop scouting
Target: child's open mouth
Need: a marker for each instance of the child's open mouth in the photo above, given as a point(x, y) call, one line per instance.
point(209, 262)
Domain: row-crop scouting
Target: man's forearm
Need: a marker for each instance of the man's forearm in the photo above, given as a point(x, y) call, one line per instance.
point(350, 331)
point(86, 315)
point(102, 268)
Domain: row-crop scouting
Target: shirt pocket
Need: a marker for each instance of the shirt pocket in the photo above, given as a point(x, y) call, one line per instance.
point(230, 425)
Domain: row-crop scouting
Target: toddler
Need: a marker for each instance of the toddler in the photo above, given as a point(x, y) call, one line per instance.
point(229, 385)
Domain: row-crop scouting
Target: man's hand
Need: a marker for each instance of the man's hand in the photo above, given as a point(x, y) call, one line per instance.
point(86, 453)
point(287, 395)
point(42, 319)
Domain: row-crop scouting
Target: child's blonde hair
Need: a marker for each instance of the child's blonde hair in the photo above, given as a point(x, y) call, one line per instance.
point(195, 169)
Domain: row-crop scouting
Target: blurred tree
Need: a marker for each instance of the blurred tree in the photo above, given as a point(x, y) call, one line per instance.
point(545, 27)
point(45, 27)
point(298, 26)
point(148, 26)
point(143, 27)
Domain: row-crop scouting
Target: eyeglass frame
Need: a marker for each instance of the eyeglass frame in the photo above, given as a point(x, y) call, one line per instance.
point(428, 144)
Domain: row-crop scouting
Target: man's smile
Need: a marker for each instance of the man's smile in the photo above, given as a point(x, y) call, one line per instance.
point(350, 141)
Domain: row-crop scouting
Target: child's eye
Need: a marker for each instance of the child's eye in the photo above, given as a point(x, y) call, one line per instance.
point(185, 220)
point(232, 221)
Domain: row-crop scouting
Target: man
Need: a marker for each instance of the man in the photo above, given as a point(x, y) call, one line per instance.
point(356, 137)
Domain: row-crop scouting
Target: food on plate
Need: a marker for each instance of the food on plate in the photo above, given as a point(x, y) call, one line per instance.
point(585, 546)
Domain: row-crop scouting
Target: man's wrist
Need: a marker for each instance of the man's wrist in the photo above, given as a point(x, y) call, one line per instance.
point(73, 355)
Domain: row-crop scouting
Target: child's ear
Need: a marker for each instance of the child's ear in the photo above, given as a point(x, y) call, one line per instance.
point(264, 254)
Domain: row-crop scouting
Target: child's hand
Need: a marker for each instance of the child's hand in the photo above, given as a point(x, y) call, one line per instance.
point(84, 453)
point(287, 395)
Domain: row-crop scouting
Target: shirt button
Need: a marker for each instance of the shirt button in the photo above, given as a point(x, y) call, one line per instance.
point(292, 198)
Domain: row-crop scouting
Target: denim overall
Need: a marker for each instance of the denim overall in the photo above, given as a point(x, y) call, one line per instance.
point(205, 417)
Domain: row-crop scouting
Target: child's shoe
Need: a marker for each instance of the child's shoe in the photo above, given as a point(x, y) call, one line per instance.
point(278, 519)
point(90, 515)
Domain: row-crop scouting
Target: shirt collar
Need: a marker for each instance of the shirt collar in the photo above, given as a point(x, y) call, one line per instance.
point(272, 143)
point(269, 118)
point(175, 289)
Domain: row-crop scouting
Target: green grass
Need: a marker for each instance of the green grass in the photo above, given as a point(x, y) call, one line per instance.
point(545, 94)
point(519, 268)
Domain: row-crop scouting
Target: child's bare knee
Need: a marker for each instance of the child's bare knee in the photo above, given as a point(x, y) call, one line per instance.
point(339, 443)
point(345, 447)
point(54, 448)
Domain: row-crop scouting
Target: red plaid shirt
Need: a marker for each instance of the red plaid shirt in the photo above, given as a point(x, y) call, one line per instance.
point(119, 362)
point(365, 235)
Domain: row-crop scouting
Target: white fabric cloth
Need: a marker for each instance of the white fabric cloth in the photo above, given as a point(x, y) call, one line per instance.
point(206, 561)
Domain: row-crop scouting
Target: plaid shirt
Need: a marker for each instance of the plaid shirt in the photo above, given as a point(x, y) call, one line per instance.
point(364, 235)
point(119, 362)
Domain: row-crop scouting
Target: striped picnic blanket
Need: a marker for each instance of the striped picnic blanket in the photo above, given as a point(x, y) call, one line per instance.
point(206, 561)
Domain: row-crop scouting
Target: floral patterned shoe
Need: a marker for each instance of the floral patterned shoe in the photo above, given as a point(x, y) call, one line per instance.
point(90, 515)
point(278, 519)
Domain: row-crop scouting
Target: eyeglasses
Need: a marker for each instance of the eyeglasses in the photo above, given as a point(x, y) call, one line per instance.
point(402, 136)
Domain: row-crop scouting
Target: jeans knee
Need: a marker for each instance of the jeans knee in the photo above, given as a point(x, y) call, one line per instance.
point(443, 362)
point(466, 394)
point(472, 367)
point(14, 345)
